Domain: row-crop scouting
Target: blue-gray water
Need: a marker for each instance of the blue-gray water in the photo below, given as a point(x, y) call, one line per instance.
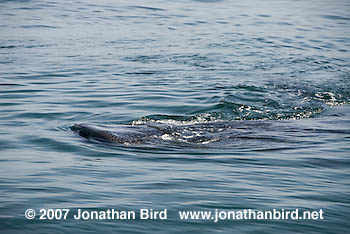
point(278, 69)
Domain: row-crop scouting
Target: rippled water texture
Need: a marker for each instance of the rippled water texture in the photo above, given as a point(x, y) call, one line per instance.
point(199, 105)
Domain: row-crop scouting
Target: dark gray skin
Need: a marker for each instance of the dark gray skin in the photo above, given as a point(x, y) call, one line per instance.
point(240, 134)
point(199, 133)
point(120, 134)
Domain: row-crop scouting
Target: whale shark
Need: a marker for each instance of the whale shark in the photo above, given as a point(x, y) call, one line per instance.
point(194, 133)
point(242, 134)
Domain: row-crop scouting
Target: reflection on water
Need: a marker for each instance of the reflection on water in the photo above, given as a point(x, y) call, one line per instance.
point(217, 105)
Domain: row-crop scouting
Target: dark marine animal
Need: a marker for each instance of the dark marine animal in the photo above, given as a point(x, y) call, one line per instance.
point(195, 133)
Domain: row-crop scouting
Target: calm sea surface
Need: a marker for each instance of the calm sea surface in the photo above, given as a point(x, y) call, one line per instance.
point(260, 91)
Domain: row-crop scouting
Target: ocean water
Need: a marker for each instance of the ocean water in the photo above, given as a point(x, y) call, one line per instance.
point(253, 96)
